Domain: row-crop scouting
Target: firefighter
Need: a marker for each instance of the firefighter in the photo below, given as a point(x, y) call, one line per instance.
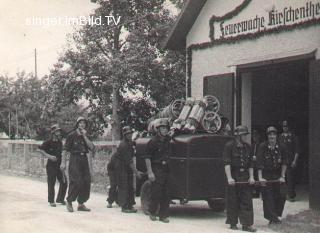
point(290, 140)
point(157, 158)
point(124, 170)
point(52, 149)
point(78, 145)
point(113, 190)
point(272, 164)
point(237, 157)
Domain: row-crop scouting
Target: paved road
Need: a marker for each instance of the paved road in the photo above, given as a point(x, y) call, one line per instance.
point(23, 209)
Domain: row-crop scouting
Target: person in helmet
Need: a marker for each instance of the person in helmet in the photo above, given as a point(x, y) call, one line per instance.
point(124, 169)
point(272, 164)
point(78, 146)
point(156, 159)
point(52, 149)
point(238, 164)
point(290, 140)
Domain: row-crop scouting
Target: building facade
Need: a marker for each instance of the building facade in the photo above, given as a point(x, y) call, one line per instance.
point(262, 60)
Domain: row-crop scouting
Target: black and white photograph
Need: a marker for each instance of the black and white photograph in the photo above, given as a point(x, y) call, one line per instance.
point(159, 116)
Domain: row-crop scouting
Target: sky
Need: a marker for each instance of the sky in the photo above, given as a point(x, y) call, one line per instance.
point(24, 27)
point(20, 33)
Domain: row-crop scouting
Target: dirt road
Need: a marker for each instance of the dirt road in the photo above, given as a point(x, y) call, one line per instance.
point(23, 209)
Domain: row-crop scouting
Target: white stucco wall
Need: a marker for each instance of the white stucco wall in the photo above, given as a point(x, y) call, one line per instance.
point(217, 60)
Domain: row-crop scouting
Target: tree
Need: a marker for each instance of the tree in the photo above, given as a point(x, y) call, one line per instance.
point(178, 3)
point(23, 112)
point(105, 62)
point(136, 113)
point(22, 99)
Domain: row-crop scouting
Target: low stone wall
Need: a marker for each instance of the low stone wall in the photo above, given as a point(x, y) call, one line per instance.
point(21, 158)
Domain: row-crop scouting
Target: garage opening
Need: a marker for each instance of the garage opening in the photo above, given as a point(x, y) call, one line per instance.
point(276, 92)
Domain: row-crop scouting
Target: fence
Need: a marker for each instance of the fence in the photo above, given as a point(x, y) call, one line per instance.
point(21, 157)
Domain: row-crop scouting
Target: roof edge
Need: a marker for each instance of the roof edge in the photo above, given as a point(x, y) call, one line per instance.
point(176, 39)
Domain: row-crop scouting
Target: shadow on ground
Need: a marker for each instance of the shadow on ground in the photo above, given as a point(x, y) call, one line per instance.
point(307, 221)
point(194, 210)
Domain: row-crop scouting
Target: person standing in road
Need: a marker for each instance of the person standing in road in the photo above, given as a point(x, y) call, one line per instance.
point(52, 149)
point(113, 189)
point(78, 145)
point(124, 170)
point(157, 158)
point(237, 157)
point(290, 140)
point(272, 164)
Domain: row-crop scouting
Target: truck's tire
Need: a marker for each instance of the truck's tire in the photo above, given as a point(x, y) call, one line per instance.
point(145, 196)
point(216, 205)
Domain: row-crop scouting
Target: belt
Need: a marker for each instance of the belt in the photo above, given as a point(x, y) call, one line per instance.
point(163, 162)
point(80, 153)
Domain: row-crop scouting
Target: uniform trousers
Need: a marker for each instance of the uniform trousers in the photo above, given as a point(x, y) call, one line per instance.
point(291, 182)
point(239, 201)
point(54, 173)
point(79, 179)
point(159, 191)
point(274, 198)
point(113, 190)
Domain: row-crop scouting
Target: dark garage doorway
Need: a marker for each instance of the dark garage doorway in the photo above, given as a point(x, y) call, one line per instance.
point(281, 91)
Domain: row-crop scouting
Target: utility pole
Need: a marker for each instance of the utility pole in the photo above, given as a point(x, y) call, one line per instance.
point(35, 63)
point(9, 124)
point(17, 123)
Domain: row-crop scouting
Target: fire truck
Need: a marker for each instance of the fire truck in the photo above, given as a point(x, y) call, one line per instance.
point(195, 161)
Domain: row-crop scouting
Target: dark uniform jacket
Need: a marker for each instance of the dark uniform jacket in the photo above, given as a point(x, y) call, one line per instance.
point(124, 154)
point(290, 140)
point(270, 160)
point(239, 158)
point(75, 144)
point(52, 148)
point(158, 151)
point(120, 164)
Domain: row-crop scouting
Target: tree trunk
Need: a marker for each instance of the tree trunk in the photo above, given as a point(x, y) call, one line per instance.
point(115, 117)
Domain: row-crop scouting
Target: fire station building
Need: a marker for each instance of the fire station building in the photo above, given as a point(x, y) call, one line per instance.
point(262, 60)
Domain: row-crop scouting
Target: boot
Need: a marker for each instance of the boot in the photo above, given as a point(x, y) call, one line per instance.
point(61, 202)
point(152, 217)
point(249, 229)
point(82, 207)
point(52, 204)
point(165, 220)
point(234, 227)
point(69, 206)
point(131, 210)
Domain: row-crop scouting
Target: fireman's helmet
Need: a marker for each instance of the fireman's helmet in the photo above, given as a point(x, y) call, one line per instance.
point(126, 130)
point(285, 123)
point(271, 129)
point(55, 128)
point(81, 119)
point(162, 122)
point(241, 130)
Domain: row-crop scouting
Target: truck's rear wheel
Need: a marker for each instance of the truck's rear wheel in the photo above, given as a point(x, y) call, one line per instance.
point(145, 196)
point(216, 205)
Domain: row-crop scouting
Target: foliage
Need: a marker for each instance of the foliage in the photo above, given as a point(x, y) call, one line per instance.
point(105, 62)
point(178, 3)
point(21, 99)
point(136, 113)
